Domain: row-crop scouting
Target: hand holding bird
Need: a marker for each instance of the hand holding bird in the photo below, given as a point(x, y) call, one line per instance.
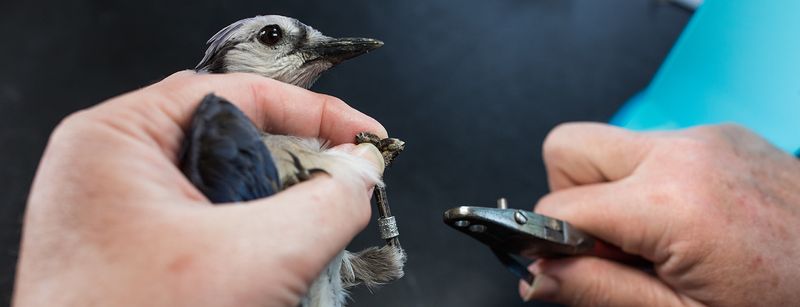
point(111, 221)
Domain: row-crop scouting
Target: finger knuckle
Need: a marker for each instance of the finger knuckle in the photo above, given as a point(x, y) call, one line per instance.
point(74, 121)
point(726, 133)
point(555, 143)
point(697, 153)
point(732, 134)
point(331, 101)
point(266, 95)
point(562, 138)
point(260, 89)
point(708, 135)
point(689, 143)
point(564, 130)
point(181, 75)
point(74, 118)
point(691, 161)
point(732, 127)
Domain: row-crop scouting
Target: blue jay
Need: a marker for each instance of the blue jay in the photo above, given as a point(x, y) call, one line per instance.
point(228, 159)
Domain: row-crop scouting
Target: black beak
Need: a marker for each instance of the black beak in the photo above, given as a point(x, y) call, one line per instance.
point(337, 50)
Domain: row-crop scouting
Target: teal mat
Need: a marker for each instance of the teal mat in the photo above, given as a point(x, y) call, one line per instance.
point(738, 62)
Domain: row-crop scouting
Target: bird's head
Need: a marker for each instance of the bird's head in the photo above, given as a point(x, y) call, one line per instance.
point(281, 48)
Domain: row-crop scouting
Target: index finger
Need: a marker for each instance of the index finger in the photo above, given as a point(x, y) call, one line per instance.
point(272, 105)
point(614, 214)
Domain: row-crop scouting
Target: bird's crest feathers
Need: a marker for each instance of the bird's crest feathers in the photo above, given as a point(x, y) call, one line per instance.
point(218, 41)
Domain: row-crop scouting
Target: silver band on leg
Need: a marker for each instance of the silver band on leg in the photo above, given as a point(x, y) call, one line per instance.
point(388, 227)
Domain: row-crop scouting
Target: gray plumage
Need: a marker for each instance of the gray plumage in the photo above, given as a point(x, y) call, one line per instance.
point(287, 50)
point(297, 55)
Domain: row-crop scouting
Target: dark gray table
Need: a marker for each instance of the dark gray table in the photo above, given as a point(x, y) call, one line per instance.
point(472, 86)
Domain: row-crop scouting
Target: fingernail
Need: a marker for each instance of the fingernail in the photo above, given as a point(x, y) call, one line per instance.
point(371, 153)
point(543, 286)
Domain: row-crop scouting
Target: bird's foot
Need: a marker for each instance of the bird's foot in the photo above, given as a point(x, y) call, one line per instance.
point(302, 173)
point(389, 147)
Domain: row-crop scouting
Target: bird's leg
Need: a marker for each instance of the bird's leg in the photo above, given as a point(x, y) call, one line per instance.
point(389, 148)
point(375, 266)
point(386, 222)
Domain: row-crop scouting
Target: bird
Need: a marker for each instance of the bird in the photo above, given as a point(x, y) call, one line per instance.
point(229, 160)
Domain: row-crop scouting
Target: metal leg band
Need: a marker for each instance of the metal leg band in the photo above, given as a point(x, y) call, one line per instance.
point(388, 227)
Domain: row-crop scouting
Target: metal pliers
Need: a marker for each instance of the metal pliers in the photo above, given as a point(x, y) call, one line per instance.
point(519, 232)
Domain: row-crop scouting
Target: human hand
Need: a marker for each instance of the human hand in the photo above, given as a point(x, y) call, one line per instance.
point(111, 221)
point(715, 208)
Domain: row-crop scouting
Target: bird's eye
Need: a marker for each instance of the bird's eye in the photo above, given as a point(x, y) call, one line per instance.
point(270, 35)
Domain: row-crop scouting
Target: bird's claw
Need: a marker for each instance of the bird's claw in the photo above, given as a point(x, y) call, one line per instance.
point(389, 147)
point(302, 173)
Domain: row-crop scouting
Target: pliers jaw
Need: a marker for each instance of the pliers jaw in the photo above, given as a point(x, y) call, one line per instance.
point(519, 232)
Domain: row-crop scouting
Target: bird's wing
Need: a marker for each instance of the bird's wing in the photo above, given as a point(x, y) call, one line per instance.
point(223, 155)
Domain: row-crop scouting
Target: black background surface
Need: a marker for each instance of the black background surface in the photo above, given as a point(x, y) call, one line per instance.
point(472, 86)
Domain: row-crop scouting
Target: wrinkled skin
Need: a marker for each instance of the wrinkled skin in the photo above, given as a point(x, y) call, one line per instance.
point(111, 221)
point(716, 209)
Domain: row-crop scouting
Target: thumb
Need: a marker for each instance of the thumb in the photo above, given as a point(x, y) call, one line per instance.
point(591, 281)
point(365, 151)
